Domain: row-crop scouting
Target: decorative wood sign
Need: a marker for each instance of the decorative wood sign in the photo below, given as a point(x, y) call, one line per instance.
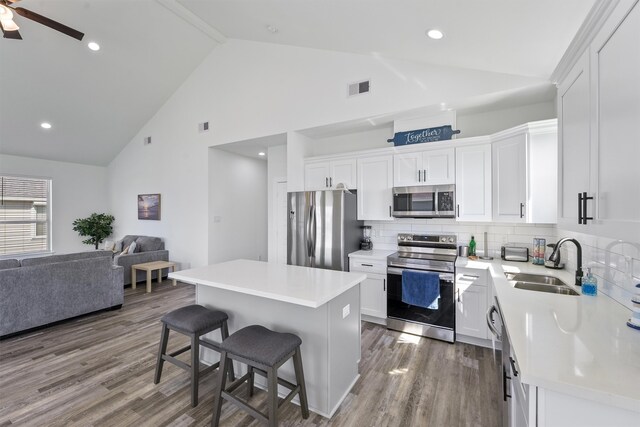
point(440, 133)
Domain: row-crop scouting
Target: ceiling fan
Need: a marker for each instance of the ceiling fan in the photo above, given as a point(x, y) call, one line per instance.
point(10, 28)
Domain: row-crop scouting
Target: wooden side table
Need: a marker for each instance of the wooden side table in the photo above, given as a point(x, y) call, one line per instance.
point(150, 267)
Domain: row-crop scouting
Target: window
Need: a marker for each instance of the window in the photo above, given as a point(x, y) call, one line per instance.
point(24, 215)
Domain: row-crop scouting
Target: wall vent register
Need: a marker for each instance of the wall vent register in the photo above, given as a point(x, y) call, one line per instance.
point(359, 88)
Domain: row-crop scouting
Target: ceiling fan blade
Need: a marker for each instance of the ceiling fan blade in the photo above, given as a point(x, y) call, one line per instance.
point(10, 34)
point(49, 23)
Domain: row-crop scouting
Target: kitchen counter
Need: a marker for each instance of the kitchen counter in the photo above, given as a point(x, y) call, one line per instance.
point(309, 287)
point(380, 254)
point(321, 306)
point(577, 345)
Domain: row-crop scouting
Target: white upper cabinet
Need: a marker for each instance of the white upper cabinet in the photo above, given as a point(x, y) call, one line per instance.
point(429, 167)
point(525, 173)
point(375, 186)
point(574, 140)
point(599, 111)
point(473, 183)
point(327, 174)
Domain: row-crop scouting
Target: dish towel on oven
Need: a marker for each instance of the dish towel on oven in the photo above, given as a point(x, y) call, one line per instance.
point(421, 288)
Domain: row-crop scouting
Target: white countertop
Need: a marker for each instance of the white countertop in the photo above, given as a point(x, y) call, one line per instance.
point(379, 254)
point(577, 345)
point(310, 287)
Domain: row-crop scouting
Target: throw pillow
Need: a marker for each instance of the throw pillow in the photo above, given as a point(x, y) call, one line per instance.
point(109, 245)
point(125, 251)
point(132, 248)
point(117, 247)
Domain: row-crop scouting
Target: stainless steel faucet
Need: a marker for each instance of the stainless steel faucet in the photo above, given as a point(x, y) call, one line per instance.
point(555, 258)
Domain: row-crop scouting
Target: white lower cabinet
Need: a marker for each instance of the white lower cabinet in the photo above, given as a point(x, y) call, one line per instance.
point(471, 303)
point(373, 290)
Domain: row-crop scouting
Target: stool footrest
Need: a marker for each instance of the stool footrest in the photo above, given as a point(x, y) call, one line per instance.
point(178, 352)
point(178, 363)
point(237, 383)
point(281, 381)
point(244, 405)
point(210, 344)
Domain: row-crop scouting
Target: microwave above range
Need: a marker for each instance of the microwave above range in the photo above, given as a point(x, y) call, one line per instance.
point(424, 201)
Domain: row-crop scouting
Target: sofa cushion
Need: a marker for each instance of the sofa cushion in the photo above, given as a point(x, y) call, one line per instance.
point(9, 263)
point(27, 262)
point(126, 240)
point(147, 244)
point(117, 246)
point(132, 248)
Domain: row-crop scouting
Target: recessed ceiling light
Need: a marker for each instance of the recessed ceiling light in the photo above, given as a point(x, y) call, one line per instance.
point(94, 46)
point(435, 34)
point(45, 125)
point(262, 153)
point(272, 29)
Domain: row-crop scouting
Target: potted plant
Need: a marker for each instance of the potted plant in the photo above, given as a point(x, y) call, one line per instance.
point(97, 227)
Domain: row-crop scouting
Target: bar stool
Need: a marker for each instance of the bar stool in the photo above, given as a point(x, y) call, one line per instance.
point(264, 351)
point(193, 321)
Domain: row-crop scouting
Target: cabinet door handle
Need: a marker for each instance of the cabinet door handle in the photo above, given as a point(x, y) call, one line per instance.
point(419, 176)
point(472, 276)
point(458, 210)
point(579, 208)
point(424, 175)
point(505, 377)
point(326, 182)
point(458, 294)
point(513, 366)
point(390, 210)
point(330, 181)
point(384, 285)
point(585, 218)
point(521, 210)
point(367, 265)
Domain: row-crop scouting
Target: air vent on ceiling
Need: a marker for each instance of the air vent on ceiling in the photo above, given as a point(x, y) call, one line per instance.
point(203, 127)
point(359, 88)
point(147, 140)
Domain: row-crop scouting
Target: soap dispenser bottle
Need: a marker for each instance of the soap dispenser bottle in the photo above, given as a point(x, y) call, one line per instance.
point(589, 284)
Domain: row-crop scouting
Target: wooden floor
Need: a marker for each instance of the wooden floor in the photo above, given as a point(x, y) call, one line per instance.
point(98, 371)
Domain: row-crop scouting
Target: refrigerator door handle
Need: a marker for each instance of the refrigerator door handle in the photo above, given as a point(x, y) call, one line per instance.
point(308, 231)
point(312, 236)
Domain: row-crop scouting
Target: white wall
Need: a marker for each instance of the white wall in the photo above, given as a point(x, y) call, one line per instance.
point(488, 122)
point(354, 141)
point(276, 169)
point(77, 191)
point(248, 90)
point(237, 207)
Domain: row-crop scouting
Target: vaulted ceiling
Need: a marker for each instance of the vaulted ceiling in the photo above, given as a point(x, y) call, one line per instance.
point(97, 101)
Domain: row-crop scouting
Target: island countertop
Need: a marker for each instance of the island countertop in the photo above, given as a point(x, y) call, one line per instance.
point(309, 287)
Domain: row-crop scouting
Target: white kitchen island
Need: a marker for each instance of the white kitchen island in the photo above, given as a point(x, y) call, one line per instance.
point(322, 307)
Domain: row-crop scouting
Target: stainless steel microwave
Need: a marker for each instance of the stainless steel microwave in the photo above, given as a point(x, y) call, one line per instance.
point(424, 201)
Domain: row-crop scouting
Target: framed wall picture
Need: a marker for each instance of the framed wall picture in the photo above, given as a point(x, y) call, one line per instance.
point(149, 206)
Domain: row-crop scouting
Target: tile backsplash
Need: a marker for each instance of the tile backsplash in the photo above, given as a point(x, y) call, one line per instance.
point(615, 263)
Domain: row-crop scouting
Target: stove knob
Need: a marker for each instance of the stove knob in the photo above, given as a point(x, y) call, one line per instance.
point(401, 237)
point(450, 239)
point(409, 238)
point(443, 239)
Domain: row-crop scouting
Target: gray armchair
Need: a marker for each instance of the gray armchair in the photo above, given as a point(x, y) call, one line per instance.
point(148, 249)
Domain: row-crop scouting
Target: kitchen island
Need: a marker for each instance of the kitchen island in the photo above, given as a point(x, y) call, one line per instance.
point(321, 306)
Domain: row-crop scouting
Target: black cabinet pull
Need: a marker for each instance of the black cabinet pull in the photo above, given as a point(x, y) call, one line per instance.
point(390, 210)
point(326, 181)
point(458, 210)
point(384, 285)
point(419, 175)
point(585, 218)
point(513, 366)
point(458, 293)
point(521, 208)
point(330, 181)
point(579, 208)
point(367, 265)
point(505, 377)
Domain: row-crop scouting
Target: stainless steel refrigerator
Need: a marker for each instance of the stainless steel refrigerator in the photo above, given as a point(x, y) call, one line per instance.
point(322, 229)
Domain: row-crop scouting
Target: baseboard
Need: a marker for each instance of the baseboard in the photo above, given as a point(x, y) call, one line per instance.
point(495, 345)
point(372, 319)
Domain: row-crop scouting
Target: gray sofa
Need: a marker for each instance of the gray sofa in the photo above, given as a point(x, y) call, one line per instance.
point(39, 291)
point(147, 249)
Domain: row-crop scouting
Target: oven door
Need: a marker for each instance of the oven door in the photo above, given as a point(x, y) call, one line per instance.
point(441, 321)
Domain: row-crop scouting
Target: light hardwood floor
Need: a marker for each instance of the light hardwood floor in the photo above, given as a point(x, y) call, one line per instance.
point(98, 371)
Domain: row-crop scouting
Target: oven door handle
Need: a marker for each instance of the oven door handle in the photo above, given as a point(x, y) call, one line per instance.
point(446, 277)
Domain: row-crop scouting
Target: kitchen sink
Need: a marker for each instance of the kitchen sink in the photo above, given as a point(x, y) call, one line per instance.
point(540, 283)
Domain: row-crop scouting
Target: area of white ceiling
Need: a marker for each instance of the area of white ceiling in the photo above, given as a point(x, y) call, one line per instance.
point(507, 36)
point(95, 101)
point(98, 101)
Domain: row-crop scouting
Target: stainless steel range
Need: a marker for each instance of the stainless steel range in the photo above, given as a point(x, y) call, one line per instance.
point(429, 253)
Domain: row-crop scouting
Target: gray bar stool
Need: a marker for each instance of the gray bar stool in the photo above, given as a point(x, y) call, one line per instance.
point(194, 321)
point(264, 351)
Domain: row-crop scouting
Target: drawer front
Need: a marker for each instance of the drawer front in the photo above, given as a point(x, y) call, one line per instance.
point(368, 266)
point(466, 277)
